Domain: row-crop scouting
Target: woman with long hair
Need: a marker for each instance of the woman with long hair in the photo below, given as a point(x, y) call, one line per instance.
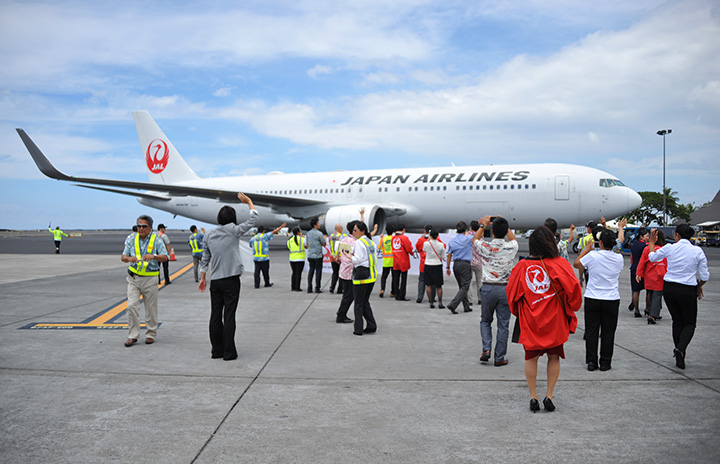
point(296, 245)
point(687, 272)
point(544, 294)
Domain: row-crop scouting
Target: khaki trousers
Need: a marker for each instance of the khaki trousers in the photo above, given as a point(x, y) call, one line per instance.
point(147, 287)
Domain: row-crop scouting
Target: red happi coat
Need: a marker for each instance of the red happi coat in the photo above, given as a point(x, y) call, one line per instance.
point(402, 249)
point(532, 299)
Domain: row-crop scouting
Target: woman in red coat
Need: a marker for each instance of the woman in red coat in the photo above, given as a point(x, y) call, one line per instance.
point(544, 294)
point(654, 275)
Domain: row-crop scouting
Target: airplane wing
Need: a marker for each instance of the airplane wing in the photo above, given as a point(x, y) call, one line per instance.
point(226, 196)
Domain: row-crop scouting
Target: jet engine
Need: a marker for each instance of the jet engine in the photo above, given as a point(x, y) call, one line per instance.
point(374, 214)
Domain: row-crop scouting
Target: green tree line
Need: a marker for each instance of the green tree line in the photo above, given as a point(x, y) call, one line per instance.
point(651, 209)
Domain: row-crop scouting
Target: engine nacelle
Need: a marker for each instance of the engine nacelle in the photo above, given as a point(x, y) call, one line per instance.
point(374, 214)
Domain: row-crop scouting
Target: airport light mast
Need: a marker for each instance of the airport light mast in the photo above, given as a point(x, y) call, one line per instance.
point(663, 133)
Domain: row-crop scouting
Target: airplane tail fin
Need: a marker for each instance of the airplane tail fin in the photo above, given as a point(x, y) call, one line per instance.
point(164, 163)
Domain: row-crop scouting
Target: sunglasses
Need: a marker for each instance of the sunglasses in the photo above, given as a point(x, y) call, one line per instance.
point(141, 226)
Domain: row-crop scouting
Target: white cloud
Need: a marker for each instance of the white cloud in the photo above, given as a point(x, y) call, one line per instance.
point(318, 70)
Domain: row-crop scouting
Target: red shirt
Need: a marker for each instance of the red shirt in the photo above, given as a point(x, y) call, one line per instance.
point(532, 298)
point(653, 273)
point(402, 248)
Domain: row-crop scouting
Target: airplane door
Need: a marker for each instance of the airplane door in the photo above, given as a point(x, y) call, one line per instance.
point(562, 187)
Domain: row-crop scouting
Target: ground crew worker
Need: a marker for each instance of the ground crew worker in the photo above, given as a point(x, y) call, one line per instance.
point(387, 253)
point(143, 253)
point(58, 235)
point(195, 241)
point(261, 254)
point(296, 245)
point(165, 264)
point(335, 238)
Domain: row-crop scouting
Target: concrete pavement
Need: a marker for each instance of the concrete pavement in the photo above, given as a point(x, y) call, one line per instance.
point(305, 390)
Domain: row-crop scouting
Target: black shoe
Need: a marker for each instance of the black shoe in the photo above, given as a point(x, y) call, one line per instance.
point(418, 300)
point(631, 307)
point(370, 331)
point(347, 320)
point(382, 293)
point(468, 310)
point(269, 285)
point(216, 356)
point(651, 320)
point(309, 290)
point(637, 314)
point(679, 358)
point(357, 333)
point(230, 358)
point(168, 282)
point(605, 367)
point(452, 310)
point(317, 290)
point(441, 306)
point(549, 406)
point(534, 405)
point(432, 306)
point(657, 318)
point(332, 290)
point(592, 366)
point(257, 286)
point(402, 299)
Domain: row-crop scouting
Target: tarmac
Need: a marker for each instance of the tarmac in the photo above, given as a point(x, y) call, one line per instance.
point(305, 390)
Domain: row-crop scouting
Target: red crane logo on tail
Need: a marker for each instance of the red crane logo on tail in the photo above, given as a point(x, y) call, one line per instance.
point(157, 156)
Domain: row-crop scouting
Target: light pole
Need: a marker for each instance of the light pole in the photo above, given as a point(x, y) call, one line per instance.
point(663, 133)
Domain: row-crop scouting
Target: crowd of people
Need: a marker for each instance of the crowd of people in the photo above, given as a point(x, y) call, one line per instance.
point(541, 290)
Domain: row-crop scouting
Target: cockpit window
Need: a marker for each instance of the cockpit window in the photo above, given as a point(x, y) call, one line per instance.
point(611, 183)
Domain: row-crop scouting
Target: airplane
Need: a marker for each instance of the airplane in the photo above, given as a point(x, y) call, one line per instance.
point(525, 194)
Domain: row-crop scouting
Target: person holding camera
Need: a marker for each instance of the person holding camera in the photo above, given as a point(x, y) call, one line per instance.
point(602, 297)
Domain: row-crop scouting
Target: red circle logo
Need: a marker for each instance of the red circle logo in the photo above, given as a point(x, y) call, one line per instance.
point(157, 156)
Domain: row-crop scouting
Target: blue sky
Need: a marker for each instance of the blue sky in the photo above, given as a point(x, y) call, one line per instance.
point(255, 86)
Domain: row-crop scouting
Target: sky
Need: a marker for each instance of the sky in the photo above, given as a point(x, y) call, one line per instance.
point(245, 88)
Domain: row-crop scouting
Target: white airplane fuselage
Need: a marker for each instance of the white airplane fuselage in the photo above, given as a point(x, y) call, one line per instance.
point(526, 195)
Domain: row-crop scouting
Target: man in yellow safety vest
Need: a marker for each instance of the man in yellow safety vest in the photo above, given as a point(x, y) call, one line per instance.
point(57, 235)
point(143, 253)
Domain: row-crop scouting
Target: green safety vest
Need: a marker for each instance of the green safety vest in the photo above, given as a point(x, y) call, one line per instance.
point(258, 247)
point(194, 244)
point(58, 234)
point(140, 268)
point(373, 262)
point(297, 250)
point(387, 251)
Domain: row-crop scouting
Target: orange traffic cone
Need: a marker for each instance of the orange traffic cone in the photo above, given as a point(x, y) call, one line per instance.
point(172, 254)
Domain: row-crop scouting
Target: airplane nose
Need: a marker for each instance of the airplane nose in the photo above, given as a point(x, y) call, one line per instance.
point(634, 200)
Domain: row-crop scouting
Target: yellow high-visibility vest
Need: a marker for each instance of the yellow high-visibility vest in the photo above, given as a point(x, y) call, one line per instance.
point(258, 247)
point(57, 234)
point(334, 240)
point(140, 268)
point(297, 250)
point(194, 244)
point(373, 261)
point(387, 251)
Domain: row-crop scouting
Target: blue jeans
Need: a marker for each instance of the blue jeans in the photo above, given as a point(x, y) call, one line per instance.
point(494, 301)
